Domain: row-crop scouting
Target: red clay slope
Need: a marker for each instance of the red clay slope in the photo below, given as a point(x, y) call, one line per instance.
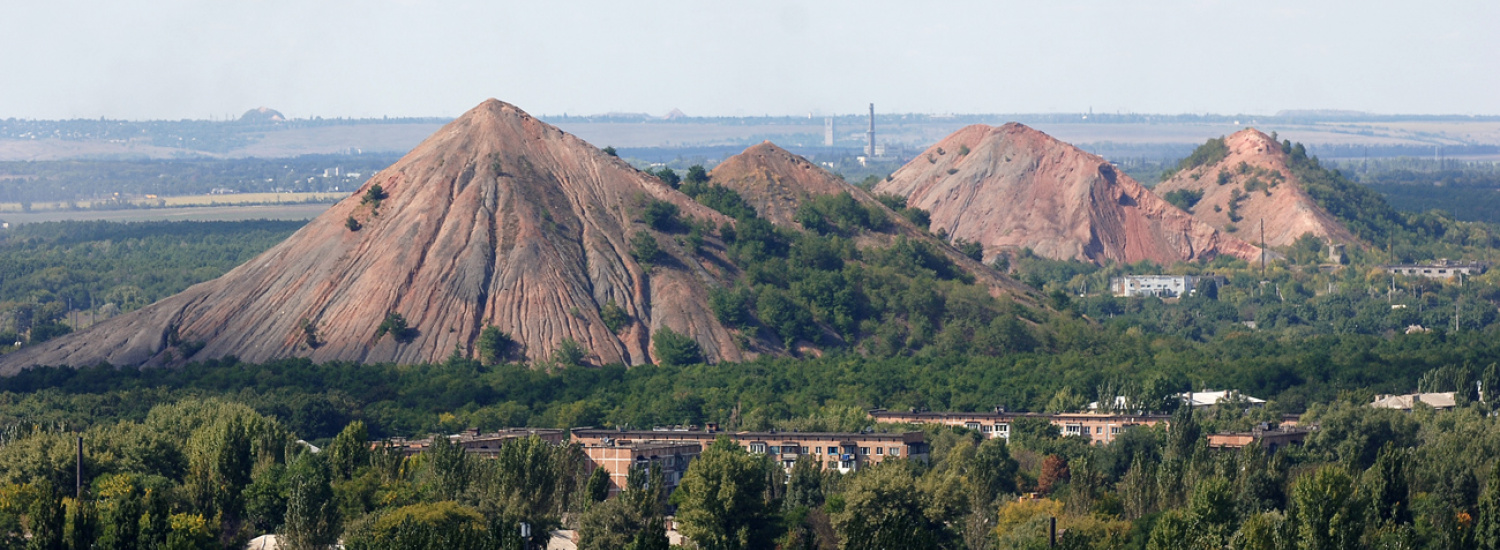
point(776, 182)
point(1288, 211)
point(497, 219)
point(1013, 187)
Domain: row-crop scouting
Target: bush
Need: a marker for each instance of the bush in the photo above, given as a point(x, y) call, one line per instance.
point(727, 201)
point(675, 349)
point(615, 318)
point(729, 306)
point(662, 216)
point(669, 177)
point(696, 175)
point(1183, 198)
point(394, 324)
point(644, 248)
point(610, 150)
point(494, 346)
point(893, 202)
point(1210, 152)
point(373, 196)
point(841, 214)
point(352, 224)
point(973, 250)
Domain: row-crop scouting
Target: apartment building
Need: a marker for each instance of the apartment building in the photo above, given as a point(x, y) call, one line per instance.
point(619, 456)
point(843, 452)
point(1270, 439)
point(1099, 428)
point(479, 443)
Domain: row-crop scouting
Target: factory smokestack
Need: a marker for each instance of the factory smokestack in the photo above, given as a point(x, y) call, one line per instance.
point(870, 148)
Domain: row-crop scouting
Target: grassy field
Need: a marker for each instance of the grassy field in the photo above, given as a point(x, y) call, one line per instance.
point(238, 199)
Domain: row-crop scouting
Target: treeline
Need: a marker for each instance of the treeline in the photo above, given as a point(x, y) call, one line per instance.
point(212, 474)
point(1073, 366)
point(81, 180)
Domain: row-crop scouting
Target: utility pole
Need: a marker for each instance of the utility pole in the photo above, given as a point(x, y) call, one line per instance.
point(78, 477)
point(1262, 248)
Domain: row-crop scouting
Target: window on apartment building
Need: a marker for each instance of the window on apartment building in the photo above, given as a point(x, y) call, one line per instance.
point(1098, 429)
point(1114, 429)
point(1073, 429)
point(1002, 428)
point(895, 451)
point(880, 450)
point(833, 464)
point(985, 429)
point(758, 448)
point(864, 450)
point(833, 450)
point(804, 450)
point(817, 450)
point(972, 426)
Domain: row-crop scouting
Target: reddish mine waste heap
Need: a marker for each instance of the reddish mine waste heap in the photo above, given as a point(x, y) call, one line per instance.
point(497, 220)
point(1011, 187)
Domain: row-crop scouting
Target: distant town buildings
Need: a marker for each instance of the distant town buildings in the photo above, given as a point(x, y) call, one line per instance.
point(617, 451)
point(1160, 286)
point(1441, 269)
point(843, 452)
point(1268, 438)
point(1099, 428)
point(1441, 401)
point(477, 442)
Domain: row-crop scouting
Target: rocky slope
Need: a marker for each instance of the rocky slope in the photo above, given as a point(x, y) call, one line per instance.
point(777, 182)
point(1252, 183)
point(498, 219)
point(1012, 187)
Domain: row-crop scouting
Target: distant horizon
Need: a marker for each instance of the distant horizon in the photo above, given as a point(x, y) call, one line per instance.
point(1283, 113)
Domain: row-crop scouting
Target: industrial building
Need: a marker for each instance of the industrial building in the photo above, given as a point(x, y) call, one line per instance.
point(1441, 269)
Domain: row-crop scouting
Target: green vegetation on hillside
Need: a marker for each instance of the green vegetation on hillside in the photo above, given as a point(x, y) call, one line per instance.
point(1214, 150)
point(1183, 198)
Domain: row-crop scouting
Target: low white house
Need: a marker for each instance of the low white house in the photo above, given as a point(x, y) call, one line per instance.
point(1441, 401)
point(1203, 399)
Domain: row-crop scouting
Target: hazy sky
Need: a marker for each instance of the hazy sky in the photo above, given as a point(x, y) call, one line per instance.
point(196, 59)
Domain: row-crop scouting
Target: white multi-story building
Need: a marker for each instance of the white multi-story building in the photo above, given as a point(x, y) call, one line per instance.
point(1161, 286)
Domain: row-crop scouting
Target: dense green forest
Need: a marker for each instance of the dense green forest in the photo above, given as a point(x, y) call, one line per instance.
point(1466, 191)
point(72, 272)
point(212, 472)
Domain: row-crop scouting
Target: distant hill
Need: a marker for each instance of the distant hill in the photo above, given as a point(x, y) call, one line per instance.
point(497, 220)
point(1013, 187)
point(785, 188)
point(1238, 182)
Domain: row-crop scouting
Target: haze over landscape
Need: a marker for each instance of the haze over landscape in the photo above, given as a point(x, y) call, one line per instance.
point(731, 276)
